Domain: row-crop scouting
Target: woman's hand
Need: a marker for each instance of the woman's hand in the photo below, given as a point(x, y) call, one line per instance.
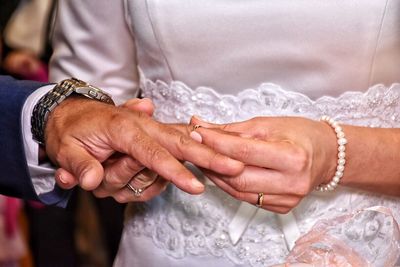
point(285, 157)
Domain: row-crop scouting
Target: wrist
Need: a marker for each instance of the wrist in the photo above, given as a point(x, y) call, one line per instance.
point(330, 150)
point(62, 91)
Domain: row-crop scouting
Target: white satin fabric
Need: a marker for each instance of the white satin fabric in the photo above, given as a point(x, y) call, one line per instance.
point(229, 61)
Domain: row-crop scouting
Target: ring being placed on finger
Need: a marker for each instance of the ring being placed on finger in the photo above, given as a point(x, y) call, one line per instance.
point(136, 191)
point(260, 200)
point(195, 127)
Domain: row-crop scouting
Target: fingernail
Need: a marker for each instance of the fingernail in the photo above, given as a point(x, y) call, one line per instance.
point(197, 184)
point(196, 137)
point(62, 179)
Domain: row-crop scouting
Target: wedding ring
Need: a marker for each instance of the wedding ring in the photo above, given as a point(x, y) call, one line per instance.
point(136, 191)
point(260, 200)
point(143, 180)
point(195, 127)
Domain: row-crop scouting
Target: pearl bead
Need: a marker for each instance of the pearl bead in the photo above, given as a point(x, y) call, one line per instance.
point(340, 168)
point(342, 141)
point(336, 179)
point(341, 155)
point(333, 184)
point(341, 161)
point(339, 174)
point(340, 134)
point(341, 148)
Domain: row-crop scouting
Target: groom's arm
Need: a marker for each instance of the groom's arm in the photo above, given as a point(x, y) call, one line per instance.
point(14, 175)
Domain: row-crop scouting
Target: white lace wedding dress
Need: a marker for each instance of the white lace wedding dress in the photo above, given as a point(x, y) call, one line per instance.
point(228, 61)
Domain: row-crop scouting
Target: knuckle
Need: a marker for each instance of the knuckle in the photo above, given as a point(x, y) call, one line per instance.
point(131, 166)
point(156, 155)
point(303, 187)
point(300, 160)
point(184, 140)
point(243, 152)
point(60, 157)
point(82, 166)
point(118, 121)
point(239, 183)
point(114, 181)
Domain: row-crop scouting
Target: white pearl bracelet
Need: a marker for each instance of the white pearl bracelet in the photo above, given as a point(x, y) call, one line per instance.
point(342, 141)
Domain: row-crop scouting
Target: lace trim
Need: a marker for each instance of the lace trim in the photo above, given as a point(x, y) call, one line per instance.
point(183, 225)
point(176, 102)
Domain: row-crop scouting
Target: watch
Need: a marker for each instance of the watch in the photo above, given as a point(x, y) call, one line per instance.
point(53, 98)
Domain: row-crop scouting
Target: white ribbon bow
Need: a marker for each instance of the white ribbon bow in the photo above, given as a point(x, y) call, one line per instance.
point(247, 212)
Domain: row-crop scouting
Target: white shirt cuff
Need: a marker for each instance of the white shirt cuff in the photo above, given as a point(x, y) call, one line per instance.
point(42, 175)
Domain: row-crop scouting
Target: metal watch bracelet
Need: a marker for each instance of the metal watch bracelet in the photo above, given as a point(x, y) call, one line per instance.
point(53, 98)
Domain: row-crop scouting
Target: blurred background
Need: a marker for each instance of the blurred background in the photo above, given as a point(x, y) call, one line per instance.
point(88, 231)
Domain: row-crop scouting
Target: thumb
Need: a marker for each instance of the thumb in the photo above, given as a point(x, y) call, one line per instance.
point(79, 167)
point(65, 179)
point(136, 104)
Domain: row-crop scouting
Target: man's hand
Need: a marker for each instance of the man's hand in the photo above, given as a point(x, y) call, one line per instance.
point(81, 134)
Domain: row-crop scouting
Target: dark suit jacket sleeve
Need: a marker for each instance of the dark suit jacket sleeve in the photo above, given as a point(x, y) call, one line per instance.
point(14, 175)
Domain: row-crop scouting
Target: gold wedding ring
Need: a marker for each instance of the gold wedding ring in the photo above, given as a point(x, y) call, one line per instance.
point(260, 200)
point(195, 127)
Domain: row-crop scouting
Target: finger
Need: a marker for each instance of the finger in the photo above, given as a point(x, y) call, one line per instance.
point(143, 179)
point(119, 172)
point(277, 200)
point(80, 164)
point(273, 155)
point(65, 179)
point(236, 127)
point(143, 105)
point(183, 147)
point(255, 179)
point(126, 195)
point(133, 141)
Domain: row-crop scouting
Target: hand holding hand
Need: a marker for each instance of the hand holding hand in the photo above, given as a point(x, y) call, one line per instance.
point(82, 133)
point(285, 157)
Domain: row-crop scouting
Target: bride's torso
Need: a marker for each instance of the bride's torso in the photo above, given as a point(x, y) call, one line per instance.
point(232, 60)
point(309, 46)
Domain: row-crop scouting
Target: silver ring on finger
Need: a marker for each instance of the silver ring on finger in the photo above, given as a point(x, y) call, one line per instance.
point(136, 191)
